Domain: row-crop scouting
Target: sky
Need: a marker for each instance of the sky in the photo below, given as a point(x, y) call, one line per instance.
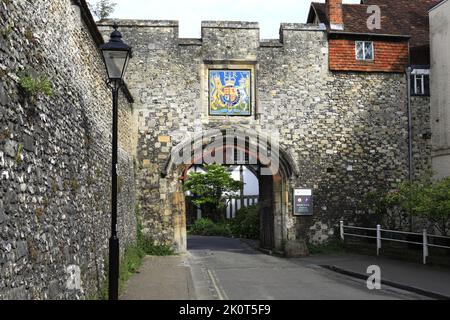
point(190, 13)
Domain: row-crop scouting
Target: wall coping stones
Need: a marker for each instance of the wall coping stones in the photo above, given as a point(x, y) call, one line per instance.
point(230, 24)
point(264, 43)
point(303, 27)
point(139, 23)
point(270, 43)
point(190, 42)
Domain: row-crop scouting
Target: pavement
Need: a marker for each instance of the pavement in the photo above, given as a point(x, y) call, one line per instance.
point(430, 281)
point(218, 268)
point(161, 278)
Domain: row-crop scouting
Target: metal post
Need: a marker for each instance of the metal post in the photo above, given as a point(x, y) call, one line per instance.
point(341, 228)
point(425, 246)
point(378, 239)
point(114, 240)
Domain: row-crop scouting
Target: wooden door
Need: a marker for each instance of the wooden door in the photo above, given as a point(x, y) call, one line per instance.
point(266, 212)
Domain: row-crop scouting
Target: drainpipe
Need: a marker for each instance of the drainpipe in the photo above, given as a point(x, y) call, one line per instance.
point(410, 125)
point(410, 137)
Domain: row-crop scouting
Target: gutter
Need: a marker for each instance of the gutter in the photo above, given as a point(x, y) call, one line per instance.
point(370, 34)
point(437, 5)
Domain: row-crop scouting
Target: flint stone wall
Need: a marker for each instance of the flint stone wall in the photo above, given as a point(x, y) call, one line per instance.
point(55, 156)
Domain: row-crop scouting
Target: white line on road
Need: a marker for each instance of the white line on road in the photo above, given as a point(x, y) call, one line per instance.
point(220, 292)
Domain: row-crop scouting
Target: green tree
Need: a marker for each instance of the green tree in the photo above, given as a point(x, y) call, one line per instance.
point(212, 190)
point(103, 9)
point(386, 206)
point(396, 207)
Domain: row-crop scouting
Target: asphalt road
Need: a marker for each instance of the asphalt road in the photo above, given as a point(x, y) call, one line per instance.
point(227, 269)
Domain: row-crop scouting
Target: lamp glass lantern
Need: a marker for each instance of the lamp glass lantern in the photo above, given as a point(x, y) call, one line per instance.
point(116, 55)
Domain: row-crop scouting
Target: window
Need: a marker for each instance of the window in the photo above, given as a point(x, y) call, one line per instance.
point(420, 83)
point(364, 50)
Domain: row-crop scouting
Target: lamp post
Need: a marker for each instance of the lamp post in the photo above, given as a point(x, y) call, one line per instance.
point(116, 55)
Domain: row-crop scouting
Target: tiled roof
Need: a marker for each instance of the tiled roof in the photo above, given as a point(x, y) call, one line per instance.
point(399, 18)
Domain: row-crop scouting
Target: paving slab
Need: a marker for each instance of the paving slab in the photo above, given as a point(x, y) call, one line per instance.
point(161, 278)
point(417, 277)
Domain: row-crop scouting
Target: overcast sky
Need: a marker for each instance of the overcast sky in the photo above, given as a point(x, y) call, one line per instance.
point(190, 13)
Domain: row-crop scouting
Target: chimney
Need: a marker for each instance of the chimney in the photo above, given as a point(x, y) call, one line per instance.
point(335, 14)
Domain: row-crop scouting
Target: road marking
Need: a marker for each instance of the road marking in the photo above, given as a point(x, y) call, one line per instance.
point(220, 292)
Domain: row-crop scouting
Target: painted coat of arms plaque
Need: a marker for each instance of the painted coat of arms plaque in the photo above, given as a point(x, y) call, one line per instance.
point(230, 93)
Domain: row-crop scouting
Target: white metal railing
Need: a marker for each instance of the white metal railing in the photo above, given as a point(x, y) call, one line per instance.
point(379, 237)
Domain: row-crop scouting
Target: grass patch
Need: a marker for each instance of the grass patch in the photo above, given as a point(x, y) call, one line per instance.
point(130, 265)
point(132, 260)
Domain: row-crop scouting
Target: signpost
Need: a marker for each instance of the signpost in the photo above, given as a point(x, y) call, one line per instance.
point(303, 202)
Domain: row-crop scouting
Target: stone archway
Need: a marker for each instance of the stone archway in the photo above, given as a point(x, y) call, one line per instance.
point(274, 181)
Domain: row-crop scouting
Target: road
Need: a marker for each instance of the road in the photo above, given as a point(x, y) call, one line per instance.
point(227, 269)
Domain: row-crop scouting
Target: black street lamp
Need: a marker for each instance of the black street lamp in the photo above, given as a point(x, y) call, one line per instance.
point(116, 55)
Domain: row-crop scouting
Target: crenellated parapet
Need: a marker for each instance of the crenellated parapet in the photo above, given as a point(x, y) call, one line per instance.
point(225, 35)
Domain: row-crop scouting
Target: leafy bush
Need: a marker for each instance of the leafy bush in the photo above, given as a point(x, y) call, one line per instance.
point(425, 199)
point(148, 247)
point(202, 227)
point(206, 227)
point(247, 223)
point(387, 207)
point(433, 203)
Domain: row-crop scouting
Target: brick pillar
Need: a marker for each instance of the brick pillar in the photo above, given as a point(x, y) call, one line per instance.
point(335, 14)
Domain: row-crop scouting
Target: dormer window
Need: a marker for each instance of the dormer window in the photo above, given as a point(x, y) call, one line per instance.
point(364, 50)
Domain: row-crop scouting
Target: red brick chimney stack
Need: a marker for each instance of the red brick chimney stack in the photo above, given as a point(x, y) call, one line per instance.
point(335, 13)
